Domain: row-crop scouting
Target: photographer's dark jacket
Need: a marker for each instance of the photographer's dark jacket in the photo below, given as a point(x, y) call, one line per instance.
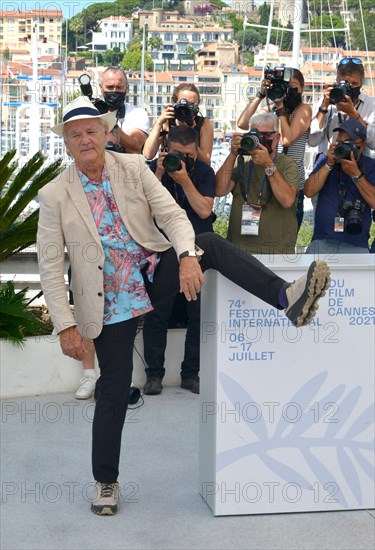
point(329, 202)
point(203, 177)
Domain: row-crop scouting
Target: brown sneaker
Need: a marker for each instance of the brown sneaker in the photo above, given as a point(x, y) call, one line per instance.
point(304, 294)
point(106, 499)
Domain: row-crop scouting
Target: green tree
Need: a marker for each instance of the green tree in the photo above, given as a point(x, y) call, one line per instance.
point(18, 187)
point(329, 38)
point(132, 59)
point(154, 43)
point(237, 22)
point(356, 31)
point(76, 25)
point(190, 53)
point(248, 39)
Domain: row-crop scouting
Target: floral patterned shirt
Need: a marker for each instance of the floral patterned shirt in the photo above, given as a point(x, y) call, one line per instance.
point(125, 294)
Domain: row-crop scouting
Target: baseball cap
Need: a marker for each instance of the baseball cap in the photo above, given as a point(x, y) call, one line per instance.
point(353, 128)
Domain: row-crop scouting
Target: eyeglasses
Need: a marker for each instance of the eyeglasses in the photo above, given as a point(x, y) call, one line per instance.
point(347, 60)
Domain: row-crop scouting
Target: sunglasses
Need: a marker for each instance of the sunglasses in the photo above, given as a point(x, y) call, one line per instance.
point(346, 60)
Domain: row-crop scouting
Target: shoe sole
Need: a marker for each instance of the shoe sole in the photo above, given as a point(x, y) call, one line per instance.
point(104, 510)
point(317, 282)
point(86, 397)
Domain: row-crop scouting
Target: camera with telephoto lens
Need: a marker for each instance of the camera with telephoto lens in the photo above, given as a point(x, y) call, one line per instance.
point(184, 111)
point(279, 78)
point(343, 149)
point(172, 161)
point(353, 216)
point(339, 91)
point(86, 90)
point(250, 141)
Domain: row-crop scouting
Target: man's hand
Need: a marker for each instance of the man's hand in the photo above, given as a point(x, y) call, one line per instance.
point(347, 107)
point(181, 176)
point(350, 167)
point(160, 170)
point(72, 343)
point(261, 156)
point(331, 159)
point(235, 143)
point(191, 277)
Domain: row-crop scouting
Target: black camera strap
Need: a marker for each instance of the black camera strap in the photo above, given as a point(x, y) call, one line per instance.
point(120, 114)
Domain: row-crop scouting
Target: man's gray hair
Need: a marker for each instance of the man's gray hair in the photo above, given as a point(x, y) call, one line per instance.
point(268, 118)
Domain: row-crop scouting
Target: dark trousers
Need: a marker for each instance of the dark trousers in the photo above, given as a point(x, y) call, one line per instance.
point(114, 346)
point(155, 329)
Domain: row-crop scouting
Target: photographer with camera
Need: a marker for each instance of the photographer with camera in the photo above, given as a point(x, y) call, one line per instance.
point(341, 101)
point(191, 183)
point(345, 181)
point(133, 126)
point(284, 88)
point(182, 111)
point(264, 184)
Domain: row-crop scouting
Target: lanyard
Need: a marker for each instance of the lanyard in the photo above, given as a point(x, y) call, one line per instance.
point(245, 190)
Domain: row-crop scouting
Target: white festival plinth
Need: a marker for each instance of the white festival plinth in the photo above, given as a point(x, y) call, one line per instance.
point(287, 414)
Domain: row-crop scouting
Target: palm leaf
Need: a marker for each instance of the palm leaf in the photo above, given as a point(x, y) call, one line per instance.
point(16, 320)
point(15, 234)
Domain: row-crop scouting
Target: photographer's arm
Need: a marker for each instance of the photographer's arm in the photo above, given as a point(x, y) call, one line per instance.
point(224, 183)
point(366, 189)
point(318, 122)
point(133, 140)
point(200, 204)
point(206, 141)
point(315, 182)
point(154, 140)
point(250, 109)
point(290, 132)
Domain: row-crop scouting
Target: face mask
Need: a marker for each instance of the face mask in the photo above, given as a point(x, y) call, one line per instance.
point(293, 99)
point(115, 100)
point(354, 93)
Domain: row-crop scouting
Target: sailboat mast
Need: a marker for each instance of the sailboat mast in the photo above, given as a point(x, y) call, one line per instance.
point(298, 13)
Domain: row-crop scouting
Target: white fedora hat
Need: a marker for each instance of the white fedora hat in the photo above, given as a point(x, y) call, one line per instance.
point(82, 108)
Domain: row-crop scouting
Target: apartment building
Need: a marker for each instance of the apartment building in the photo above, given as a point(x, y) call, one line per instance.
point(114, 32)
point(177, 34)
point(17, 28)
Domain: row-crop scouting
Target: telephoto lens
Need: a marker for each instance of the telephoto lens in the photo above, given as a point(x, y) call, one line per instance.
point(172, 162)
point(339, 91)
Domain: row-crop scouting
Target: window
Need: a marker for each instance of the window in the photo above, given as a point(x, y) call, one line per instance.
point(168, 36)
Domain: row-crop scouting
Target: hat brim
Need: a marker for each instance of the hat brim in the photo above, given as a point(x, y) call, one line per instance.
point(109, 118)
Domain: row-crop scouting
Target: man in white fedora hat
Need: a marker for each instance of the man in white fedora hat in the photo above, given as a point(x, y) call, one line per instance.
point(102, 210)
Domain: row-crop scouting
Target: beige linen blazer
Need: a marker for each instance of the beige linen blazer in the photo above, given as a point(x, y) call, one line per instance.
point(66, 222)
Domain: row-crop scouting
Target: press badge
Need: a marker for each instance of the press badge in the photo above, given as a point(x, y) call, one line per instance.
point(339, 224)
point(250, 220)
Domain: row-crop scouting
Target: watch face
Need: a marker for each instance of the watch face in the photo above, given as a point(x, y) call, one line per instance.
point(271, 170)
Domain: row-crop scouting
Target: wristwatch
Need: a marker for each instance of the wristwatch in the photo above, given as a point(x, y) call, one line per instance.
point(191, 253)
point(355, 179)
point(270, 170)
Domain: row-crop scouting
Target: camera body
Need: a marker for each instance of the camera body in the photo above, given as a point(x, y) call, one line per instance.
point(185, 111)
point(339, 91)
point(279, 78)
point(353, 216)
point(343, 150)
point(250, 141)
